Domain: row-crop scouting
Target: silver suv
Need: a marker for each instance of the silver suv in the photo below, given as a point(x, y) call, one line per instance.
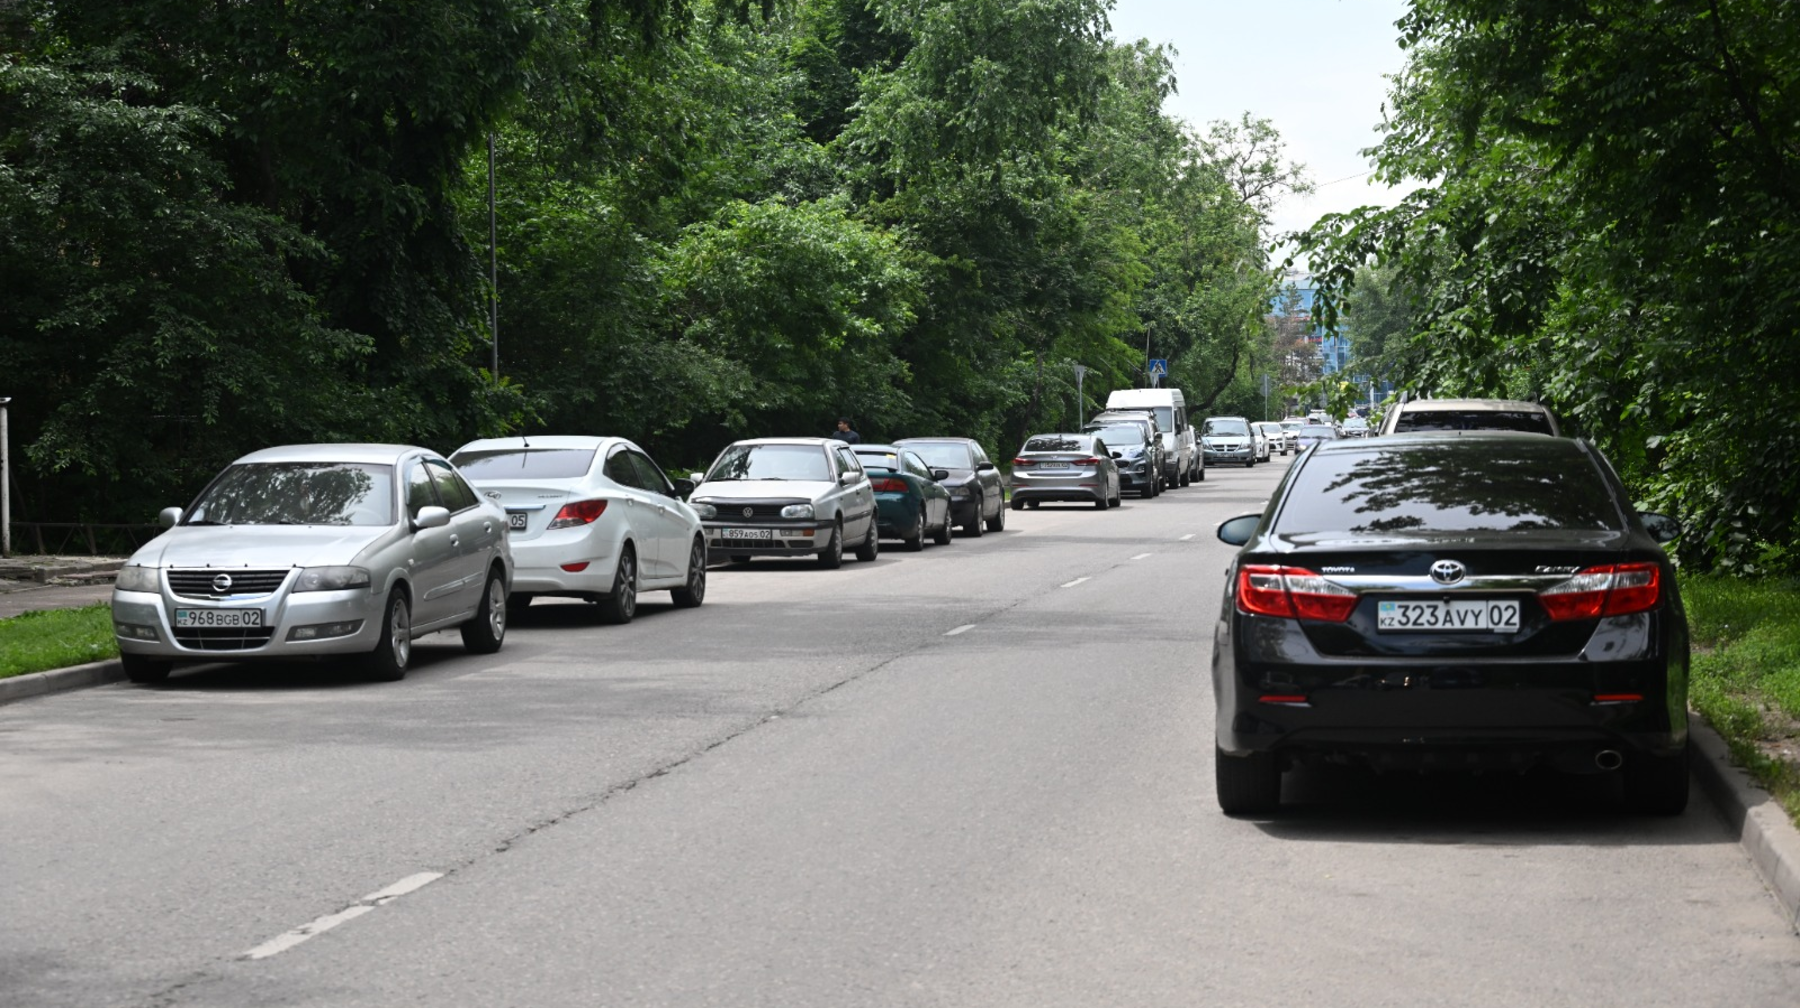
point(787, 497)
point(312, 550)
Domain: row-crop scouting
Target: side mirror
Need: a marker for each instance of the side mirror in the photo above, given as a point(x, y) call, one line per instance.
point(1237, 531)
point(983, 466)
point(848, 479)
point(943, 474)
point(169, 518)
point(698, 478)
point(683, 487)
point(1118, 454)
point(431, 516)
point(1661, 527)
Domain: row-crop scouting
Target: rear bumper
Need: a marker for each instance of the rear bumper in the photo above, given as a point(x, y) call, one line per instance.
point(896, 515)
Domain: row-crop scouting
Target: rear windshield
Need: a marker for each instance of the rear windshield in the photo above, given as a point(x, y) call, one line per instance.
point(944, 455)
point(1450, 486)
point(1056, 443)
point(888, 461)
point(524, 463)
point(1531, 422)
point(1119, 434)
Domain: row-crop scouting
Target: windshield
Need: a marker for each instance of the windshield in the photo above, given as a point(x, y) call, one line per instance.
point(1355, 422)
point(524, 463)
point(1120, 435)
point(297, 493)
point(770, 462)
point(1227, 426)
point(944, 455)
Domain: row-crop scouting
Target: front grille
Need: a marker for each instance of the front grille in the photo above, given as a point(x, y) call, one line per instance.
point(223, 638)
point(198, 582)
point(735, 510)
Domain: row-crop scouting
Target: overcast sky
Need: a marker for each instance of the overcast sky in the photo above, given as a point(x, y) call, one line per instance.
point(1313, 67)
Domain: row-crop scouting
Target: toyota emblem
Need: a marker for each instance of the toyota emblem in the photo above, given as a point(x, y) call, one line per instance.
point(1447, 572)
point(222, 583)
point(749, 512)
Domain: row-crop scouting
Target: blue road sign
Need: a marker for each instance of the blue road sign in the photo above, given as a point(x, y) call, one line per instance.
point(1159, 365)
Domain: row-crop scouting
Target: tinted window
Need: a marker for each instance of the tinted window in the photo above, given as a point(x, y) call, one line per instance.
point(1450, 486)
point(884, 460)
point(847, 461)
point(420, 492)
point(455, 494)
point(771, 462)
point(650, 475)
point(1440, 420)
point(944, 455)
point(1120, 434)
point(297, 493)
point(915, 465)
point(525, 463)
point(1055, 443)
point(620, 470)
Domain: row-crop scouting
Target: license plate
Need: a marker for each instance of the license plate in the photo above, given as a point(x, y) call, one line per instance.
point(1053, 465)
point(516, 520)
point(1491, 615)
point(732, 533)
point(222, 618)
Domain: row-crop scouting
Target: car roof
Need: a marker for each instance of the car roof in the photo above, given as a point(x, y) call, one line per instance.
point(937, 440)
point(379, 454)
point(813, 442)
point(538, 442)
point(1493, 405)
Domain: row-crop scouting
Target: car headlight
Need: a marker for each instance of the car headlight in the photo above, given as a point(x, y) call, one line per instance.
point(137, 579)
point(705, 510)
point(331, 579)
point(797, 511)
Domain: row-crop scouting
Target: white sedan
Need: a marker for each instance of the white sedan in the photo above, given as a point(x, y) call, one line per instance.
point(590, 518)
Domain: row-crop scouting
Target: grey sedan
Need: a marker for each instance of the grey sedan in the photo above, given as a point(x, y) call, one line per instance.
point(313, 550)
point(1065, 467)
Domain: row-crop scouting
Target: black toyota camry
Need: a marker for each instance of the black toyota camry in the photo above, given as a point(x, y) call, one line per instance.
point(1479, 601)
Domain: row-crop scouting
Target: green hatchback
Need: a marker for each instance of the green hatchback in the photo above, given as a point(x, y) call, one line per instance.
point(909, 501)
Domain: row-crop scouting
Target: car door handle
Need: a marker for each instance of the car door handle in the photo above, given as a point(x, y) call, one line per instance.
point(454, 541)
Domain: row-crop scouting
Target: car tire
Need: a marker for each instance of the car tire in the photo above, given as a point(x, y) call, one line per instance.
point(1017, 504)
point(1101, 502)
point(1250, 463)
point(1187, 477)
point(914, 541)
point(1147, 491)
point(691, 594)
point(1118, 497)
point(1200, 473)
point(871, 547)
point(832, 556)
point(484, 632)
point(145, 670)
point(619, 605)
point(942, 535)
point(1657, 785)
point(1032, 505)
point(392, 653)
point(973, 528)
point(1247, 785)
point(998, 522)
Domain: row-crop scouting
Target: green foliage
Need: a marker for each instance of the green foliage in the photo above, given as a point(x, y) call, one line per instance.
point(55, 638)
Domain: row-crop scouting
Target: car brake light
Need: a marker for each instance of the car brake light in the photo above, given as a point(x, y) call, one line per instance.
point(888, 485)
point(1023, 462)
point(1607, 590)
point(1090, 460)
point(578, 513)
point(1292, 593)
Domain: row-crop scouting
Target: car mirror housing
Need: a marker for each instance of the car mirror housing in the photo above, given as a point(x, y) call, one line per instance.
point(431, 516)
point(1661, 527)
point(1237, 531)
point(941, 474)
point(847, 479)
point(698, 478)
point(1118, 454)
point(683, 487)
point(983, 466)
point(169, 518)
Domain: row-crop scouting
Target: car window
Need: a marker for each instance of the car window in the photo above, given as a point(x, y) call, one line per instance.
point(524, 463)
point(1446, 485)
point(650, 475)
point(455, 494)
point(874, 459)
point(1120, 434)
point(420, 491)
point(944, 454)
point(1441, 420)
point(915, 465)
point(297, 493)
point(847, 462)
point(771, 462)
point(619, 469)
point(1054, 443)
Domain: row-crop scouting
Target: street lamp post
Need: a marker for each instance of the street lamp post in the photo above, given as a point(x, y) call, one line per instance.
point(1080, 398)
point(493, 265)
point(5, 483)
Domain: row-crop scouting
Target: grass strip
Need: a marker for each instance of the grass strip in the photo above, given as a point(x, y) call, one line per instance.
point(55, 638)
point(1746, 673)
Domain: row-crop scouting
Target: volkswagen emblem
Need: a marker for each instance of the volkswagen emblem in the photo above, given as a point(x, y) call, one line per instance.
point(1447, 572)
point(222, 583)
point(492, 495)
point(749, 512)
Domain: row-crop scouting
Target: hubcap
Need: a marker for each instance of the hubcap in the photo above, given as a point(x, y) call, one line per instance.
point(627, 584)
point(697, 572)
point(496, 608)
point(401, 642)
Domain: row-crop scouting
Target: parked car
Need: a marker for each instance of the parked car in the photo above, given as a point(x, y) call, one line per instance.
point(1229, 439)
point(1145, 421)
point(591, 518)
point(909, 500)
point(1486, 602)
point(316, 550)
point(1419, 415)
point(1065, 467)
point(1353, 427)
point(1182, 460)
point(977, 493)
point(787, 497)
point(1280, 439)
point(1311, 433)
point(1134, 450)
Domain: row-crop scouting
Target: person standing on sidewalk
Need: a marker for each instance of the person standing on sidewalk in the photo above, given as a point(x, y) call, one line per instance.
point(844, 433)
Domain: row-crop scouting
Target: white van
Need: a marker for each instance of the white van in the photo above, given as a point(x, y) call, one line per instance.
point(1182, 462)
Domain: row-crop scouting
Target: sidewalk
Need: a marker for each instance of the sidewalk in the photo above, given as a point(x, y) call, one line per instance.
point(29, 583)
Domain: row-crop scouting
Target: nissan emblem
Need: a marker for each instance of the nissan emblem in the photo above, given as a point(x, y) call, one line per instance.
point(222, 583)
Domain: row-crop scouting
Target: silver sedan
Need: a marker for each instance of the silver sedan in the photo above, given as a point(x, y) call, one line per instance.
point(1065, 467)
point(312, 550)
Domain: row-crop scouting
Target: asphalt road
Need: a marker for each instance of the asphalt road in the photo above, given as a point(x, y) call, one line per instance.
point(978, 776)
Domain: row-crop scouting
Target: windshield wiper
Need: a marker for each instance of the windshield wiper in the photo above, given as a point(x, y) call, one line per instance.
point(205, 521)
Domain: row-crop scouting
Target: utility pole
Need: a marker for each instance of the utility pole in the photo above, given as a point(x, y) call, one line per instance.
point(493, 265)
point(5, 482)
point(1080, 397)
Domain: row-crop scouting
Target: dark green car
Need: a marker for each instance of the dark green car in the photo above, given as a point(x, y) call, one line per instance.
point(909, 501)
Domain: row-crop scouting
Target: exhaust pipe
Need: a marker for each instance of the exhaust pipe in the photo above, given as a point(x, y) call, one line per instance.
point(1609, 759)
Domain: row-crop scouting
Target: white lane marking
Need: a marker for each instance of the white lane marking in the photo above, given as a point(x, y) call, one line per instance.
point(380, 897)
point(1185, 538)
point(1140, 556)
point(1073, 583)
point(965, 628)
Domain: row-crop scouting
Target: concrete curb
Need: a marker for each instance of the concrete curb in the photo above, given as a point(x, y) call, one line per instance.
point(1762, 827)
point(74, 677)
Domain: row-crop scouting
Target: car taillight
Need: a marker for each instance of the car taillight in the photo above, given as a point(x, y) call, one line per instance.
point(1292, 593)
point(1023, 462)
point(1607, 590)
point(1090, 460)
point(888, 485)
point(578, 513)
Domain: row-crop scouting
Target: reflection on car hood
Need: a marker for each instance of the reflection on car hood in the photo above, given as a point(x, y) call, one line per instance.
point(1525, 539)
point(258, 545)
point(763, 490)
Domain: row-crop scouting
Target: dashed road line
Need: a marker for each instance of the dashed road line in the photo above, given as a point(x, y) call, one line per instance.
point(1141, 556)
point(1185, 538)
point(965, 628)
point(380, 897)
point(1073, 583)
